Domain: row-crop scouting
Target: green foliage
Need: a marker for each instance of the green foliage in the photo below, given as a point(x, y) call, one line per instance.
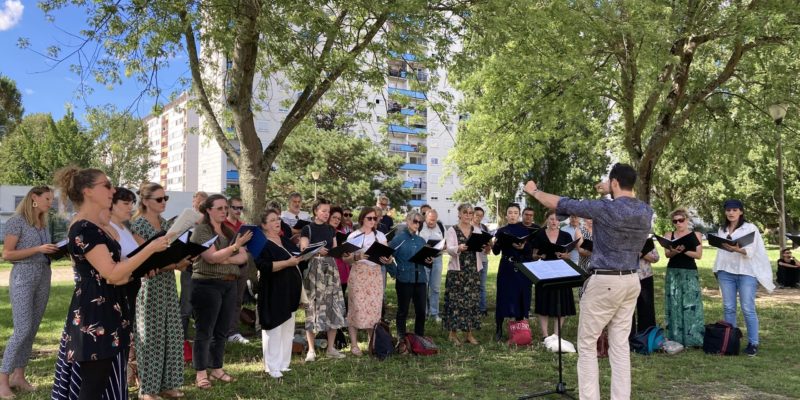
point(39, 146)
point(10, 105)
point(122, 147)
point(350, 168)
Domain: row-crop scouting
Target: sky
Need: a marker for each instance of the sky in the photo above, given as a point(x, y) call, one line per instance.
point(48, 87)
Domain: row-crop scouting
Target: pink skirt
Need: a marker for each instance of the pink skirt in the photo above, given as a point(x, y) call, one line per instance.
point(364, 294)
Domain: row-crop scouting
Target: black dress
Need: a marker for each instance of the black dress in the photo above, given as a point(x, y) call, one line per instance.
point(513, 287)
point(546, 299)
point(98, 322)
point(279, 292)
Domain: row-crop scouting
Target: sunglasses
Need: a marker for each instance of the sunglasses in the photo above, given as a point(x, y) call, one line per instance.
point(106, 184)
point(678, 220)
point(371, 218)
point(159, 199)
point(220, 208)
point(348, 215)
point(416, 221)
point(237, 208)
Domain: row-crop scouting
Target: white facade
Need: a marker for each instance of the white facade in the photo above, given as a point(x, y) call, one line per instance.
point(174, 143)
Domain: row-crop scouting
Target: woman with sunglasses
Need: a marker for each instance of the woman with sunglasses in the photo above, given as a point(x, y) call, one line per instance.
point(159, 344)
point(365, 287)
point(462, 288)
point(788, 275)
point(740, 270)
point(27, 245)
point(411, 278)
point(685, 322)
point(214, 289)
point(325, 311)
point(335, 221)
point(93, 353)
point(347, 220)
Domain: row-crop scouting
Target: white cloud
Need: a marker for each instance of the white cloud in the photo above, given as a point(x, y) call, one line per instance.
point(29, 91)
point(10, 14)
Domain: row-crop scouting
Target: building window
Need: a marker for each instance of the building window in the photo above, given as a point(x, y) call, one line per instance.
point(434, 161)
point(17, 200)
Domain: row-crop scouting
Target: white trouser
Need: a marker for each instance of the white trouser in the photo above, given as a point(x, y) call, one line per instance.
point(276, 345)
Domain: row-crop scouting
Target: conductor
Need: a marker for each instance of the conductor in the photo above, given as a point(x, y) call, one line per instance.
point(621, 226)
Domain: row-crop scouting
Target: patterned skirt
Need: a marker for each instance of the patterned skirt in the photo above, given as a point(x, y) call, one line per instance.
point(67, 381)
point(159, 335)
point(685, 322)
point(326, 302)
point(462, 294)
point(364, 295)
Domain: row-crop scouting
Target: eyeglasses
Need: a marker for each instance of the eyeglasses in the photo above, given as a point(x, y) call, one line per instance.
point(348, 215)
point(371, 218)
point(159, 199)
point(678, 220)
point(237, 208)
point(335, 217)
point(384, 204)
point(220, 208)
point(416, 221)
point(106, 184)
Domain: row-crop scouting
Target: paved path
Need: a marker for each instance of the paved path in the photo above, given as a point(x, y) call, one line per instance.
point(60, 275)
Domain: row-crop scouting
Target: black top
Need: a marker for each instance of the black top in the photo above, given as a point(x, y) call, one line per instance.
point(509, 252)
point(385, 224)
point(682, 261)
point(279, 292)
point(540, 241)
point(319, 232)
point(98, 322)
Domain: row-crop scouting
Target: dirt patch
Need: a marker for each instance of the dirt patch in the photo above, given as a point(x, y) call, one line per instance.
point(719, 391)
point(60, 275)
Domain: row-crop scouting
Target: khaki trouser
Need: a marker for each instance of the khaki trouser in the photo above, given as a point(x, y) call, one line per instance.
point(608, 300)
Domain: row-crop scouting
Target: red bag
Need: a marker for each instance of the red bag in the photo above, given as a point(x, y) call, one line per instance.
point(420, 345)
point(519, 333)
point(602, 345)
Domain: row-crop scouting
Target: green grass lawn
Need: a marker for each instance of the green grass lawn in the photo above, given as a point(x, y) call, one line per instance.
point(490, 370)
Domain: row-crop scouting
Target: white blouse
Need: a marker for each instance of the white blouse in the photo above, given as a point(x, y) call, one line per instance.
point(126, 240)
point(754, 262)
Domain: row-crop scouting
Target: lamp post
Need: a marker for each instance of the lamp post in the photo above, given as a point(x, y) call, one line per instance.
point(777, 112)
point(315, 177)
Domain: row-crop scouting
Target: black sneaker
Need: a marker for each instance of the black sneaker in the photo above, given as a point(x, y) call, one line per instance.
point(751, 350)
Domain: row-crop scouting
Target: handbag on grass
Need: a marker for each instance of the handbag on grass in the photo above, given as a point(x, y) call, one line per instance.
point(519, 333)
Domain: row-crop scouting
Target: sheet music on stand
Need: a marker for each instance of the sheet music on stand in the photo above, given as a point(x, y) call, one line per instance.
point(552, 271)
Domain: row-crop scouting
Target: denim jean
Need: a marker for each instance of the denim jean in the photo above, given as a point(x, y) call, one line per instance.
point(745, 285)
point(434, 286)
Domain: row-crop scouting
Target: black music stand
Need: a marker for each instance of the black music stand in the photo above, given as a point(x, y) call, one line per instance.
point(557, 274)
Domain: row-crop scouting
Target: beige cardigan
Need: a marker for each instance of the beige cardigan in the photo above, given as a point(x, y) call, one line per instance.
point(451, 241)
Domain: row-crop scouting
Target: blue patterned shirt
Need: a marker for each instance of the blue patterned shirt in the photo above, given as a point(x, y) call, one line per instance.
point(620, 228)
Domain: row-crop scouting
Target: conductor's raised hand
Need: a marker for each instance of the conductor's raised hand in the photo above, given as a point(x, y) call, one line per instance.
point(530, 187)
point(603, 187)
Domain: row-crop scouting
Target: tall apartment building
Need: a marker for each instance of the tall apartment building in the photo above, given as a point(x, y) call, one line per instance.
point(174, 140)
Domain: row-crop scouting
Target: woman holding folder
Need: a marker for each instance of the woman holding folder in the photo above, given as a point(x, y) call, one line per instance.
point(740, 269)
point(547, 300)
point(27, 246)
point(214, 289)
point(325, 311)
point(365, 285)
point(462, 289)
point(93, 353)
point(280, 289)
point(683, 303)
point(411, 277)
point(159, 336)
point(513, 288)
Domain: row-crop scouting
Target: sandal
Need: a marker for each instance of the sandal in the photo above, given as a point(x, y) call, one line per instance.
point(224, 377)
point(203, 384)
point(172, 394)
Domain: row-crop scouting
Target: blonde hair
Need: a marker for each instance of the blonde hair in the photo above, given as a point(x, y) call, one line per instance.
point(679, 211)
point(145, 191)
point(72, 180)
point(26, 209)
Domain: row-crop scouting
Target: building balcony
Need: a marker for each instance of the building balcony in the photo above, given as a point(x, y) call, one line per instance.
point(397, 73)
point(413, 167)
point(408, 148)
point(232, 176)
point(408, 93)
point(416, 203)
point(405, 130)
point(417, 185)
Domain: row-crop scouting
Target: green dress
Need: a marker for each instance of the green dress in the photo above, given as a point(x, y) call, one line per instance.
point(159, 335)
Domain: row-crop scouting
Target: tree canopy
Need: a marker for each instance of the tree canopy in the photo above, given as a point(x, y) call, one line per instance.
point(121, 145)
point(10, 105)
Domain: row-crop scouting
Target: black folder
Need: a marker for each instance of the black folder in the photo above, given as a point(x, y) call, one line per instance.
point(423, 253)
point(795, 239)
point(688, 241)
point(341, 238)
point(505, 238)
point(342, 248)
point(477, 240)
point(558, 248)
point(62, 250)
point(180, 248)
point(378, 250)
point(311, 250)
point(649, 245)
point(588, 244)
point(717, 241)
point(300, 224)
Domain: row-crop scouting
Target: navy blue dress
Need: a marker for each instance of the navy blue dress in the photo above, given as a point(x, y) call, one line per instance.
point(546, 300)
point(513, 288)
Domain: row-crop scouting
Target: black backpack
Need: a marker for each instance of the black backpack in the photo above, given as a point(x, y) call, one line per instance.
point(381, 345)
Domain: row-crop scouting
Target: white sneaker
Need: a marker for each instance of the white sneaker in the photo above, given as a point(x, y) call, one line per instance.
point(311, 356)
point(333, 353)
point(275, 374)
point(238, 338)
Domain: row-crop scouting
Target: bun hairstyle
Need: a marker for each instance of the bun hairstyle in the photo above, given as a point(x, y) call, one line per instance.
point(71, 180)
point(25, 207)
point(318, 203)
point(209, 204)
point(145, 192)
